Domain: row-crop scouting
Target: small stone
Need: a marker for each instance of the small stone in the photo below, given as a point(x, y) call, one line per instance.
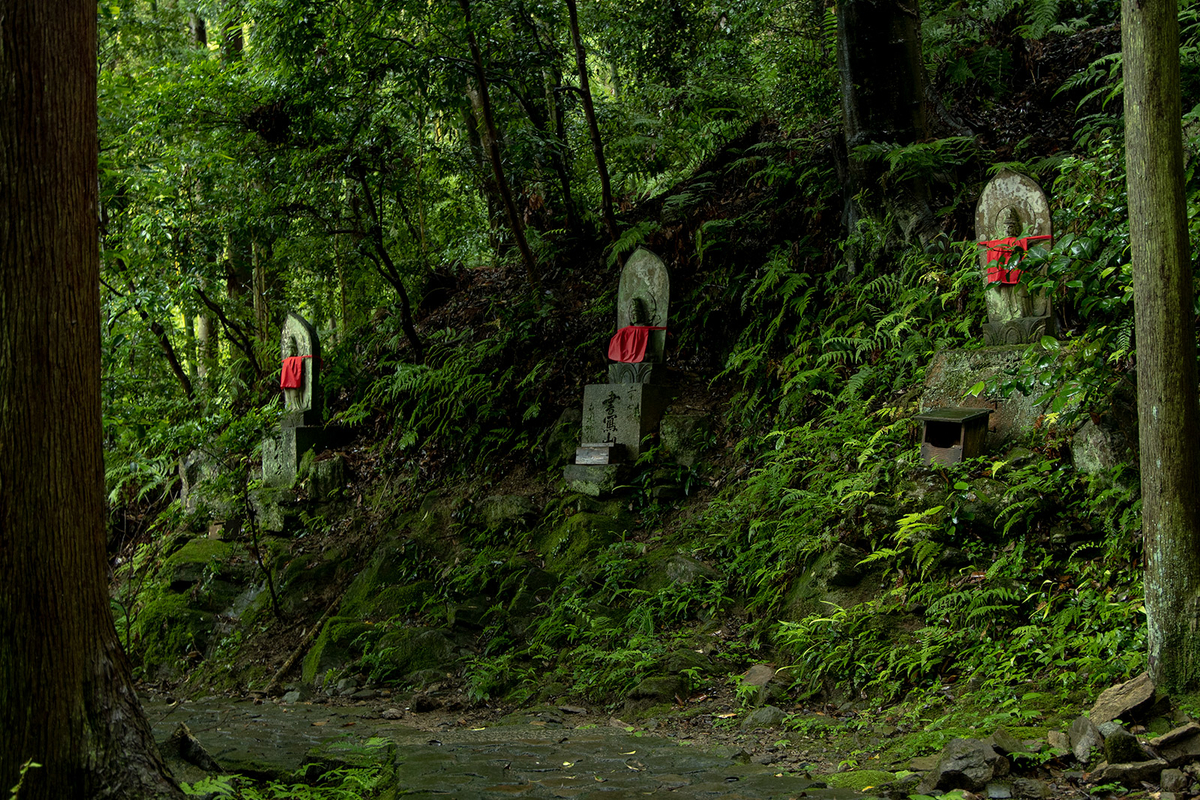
point(765, 717)
point(740, 756)
point(365, 694)
point(766, 759)
point(573, 709)
point(1176, 735)
point(1005, 743)
point(1058, 741)
point(1119, 701)
point(1084, 738)
point(758, 675)
point(999, 790)
point(1174, 780)
point(968, 764)
point(924, 763)
point(292, 697)
point(1128, 775)
point(422, 704)
point(1122, 747)
point(392, 713)
point(1107, 729)
point(1031, 789)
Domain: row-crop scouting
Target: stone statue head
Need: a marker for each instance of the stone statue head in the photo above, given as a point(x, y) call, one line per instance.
point(640, 312)
point(1009, 223)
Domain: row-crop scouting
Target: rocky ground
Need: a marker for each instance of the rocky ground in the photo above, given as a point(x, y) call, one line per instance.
point(706, 746)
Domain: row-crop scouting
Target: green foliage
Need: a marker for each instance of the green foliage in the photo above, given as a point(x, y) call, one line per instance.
point(343, 783)
point(1024, 612)
point(599, 633)
point(464, 393)
point(29, 764)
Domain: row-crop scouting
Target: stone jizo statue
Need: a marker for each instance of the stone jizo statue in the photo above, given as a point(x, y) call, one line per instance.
point(1011, 216)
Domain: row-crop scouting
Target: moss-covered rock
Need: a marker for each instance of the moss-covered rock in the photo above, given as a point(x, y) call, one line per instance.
point(654, 692)
point(828, 580)
point(405, 651)
point(666, 567)
point(506, 512)
point(385, 586)
point(567, 546)
point(169, 630)
point(860, 779)
point(187, 565)
point(340, 642)
point(434, 523)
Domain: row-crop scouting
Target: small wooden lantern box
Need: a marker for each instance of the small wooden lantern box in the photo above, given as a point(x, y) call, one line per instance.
point(951, 434)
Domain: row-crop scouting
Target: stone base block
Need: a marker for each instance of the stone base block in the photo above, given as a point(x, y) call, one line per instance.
point(593, 479)
point(281, 455)
point(641, 372)
point(327, 478)
point(276, 510)
point(952, 373)
point(1026, 330)
point(622, 413)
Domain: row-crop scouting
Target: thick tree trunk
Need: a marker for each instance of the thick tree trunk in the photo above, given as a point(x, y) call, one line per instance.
point(589, 113)
point(66, 695)
point(883, 100)
point(1166, 344)
point(492, 145)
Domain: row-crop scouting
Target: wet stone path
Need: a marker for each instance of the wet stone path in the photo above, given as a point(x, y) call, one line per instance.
point(526, 760)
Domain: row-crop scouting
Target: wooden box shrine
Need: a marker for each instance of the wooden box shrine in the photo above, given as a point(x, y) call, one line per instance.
point(949, 435)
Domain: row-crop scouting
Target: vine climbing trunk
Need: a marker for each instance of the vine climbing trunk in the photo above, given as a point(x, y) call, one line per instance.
point(1166, 344)
point(492, 145)
point(67, 701)
point(589, 113)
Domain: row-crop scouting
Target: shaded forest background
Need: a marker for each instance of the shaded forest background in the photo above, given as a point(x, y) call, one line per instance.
point(337, 158)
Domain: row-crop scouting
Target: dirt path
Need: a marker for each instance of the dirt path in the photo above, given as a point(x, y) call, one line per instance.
point(547, 753)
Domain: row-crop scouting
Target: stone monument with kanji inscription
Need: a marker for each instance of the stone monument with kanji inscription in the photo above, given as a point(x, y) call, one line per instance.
point(620, 414)
point(1012, 215)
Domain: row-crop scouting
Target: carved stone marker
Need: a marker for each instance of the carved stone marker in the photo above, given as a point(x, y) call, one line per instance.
point(619, 414)
point(305, 403)
point(643, 299)
point(301, 428)
point(1011, 215)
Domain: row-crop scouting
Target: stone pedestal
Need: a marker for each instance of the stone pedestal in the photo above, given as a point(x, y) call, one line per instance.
point(1021, 330)
point(281, 455)
point(593, 479)
point(622, 414)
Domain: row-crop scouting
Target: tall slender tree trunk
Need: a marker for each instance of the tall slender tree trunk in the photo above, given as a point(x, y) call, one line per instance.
point(492, 145)
point(472, 113)
point(1166, 343)
point(589, 113)
point(66, 694)
point(205, 330)
point(883, 100)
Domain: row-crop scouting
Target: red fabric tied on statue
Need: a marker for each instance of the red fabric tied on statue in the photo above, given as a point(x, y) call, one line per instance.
point(629, 344)
point(1000, 251)
point(292, 376)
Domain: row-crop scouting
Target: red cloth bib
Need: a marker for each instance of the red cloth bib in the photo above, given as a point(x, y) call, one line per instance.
point(1000, 251)
point(629, 344)
point(292, 375)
